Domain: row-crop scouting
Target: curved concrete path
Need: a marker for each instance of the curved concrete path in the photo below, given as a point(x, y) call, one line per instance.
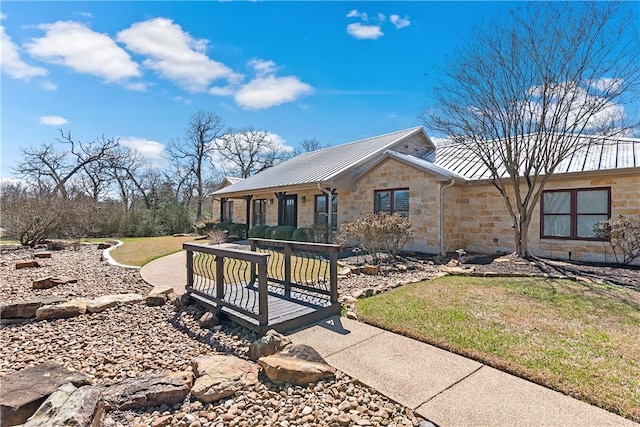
point(442, 387)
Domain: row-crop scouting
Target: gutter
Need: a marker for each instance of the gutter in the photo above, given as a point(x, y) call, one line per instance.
point(442, 188)
point(329, 206)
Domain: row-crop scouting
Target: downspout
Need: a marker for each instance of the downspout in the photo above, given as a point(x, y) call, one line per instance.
point(442, 188)
point(329, 206)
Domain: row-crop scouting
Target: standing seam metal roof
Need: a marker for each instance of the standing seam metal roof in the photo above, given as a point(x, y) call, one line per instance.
point(320, 165)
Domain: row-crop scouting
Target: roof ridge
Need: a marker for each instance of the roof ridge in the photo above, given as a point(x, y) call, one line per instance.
point(365, 139)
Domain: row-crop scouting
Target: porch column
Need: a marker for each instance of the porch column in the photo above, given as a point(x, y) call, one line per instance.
point(248, 212)
point(280, 196)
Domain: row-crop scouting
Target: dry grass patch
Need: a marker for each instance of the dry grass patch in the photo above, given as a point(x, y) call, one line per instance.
point(142, 250)
point(580, 339)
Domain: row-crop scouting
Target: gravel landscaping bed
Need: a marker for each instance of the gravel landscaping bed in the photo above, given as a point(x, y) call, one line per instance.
point(132, 341)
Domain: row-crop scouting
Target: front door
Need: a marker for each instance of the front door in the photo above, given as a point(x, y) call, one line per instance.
point(291, 210)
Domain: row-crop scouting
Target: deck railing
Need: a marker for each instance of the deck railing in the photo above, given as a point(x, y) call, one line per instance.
point(226, 276)
point(312, 267)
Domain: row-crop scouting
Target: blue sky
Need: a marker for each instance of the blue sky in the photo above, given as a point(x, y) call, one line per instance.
point(336, 71)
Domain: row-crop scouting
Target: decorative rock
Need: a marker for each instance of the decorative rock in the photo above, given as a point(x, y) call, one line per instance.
point(104, 245)
point(24, 391)
point(158, 296)
point(208, 320)
point(26, 264)
point(351, 315)
point(102, 303)
point(44, 283)
point(43, 255)
point(343, 419)
point(70, 406)
point(64, 310)
point(64, 279)
point(154, 390)
point(222, 376)
point(344, 272)
point(371, 270)
point(297, 364)
point(271, 343)
point(27, 309)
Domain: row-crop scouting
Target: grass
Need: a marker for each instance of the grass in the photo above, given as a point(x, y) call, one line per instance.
point(142, 250)
point(580, 339)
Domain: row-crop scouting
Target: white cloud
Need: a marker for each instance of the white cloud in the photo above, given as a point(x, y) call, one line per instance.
point(607, 84)
point(53, 121)
point(399, 22)
point(146, 147)
point(49, 86)
point(269, 91)
point(361, 31)
point(355, 14)
point(85, 14)
point(222, 91)
point(382, 17)
point(10, 60)
point(262, 66)
point(78, 47)
point(137, 86)
point(174, 54)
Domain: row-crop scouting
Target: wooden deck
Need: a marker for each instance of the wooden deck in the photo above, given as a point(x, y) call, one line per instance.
point(285, 312)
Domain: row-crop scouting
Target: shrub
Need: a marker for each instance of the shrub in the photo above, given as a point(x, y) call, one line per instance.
point(258, 231)
point(283, 232)
point(268, 232)
point(239, 230)
point(623, 234)
point(301, 235)
point(379, 233)
point(201, 229)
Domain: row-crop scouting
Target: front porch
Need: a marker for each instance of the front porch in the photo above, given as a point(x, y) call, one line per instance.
point(277, 285)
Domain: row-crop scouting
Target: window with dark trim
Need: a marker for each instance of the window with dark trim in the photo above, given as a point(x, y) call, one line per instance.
point(259, 212)
point(573, 214)
point(227, 211)
point(392, 201)
point(321, 210)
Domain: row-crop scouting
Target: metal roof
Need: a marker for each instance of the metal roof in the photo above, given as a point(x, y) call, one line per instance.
point(414, 161)
point(600, 154)
point(321, 165)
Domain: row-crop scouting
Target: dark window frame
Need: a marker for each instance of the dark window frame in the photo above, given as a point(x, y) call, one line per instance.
point(573, 213)
point(391, 192)
point(334, 214)
point(259, 215)
point(227, 211)
point(287, 219)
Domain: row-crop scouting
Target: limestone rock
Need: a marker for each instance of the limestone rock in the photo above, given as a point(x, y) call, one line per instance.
point(44, 283)
point(26, 264)
point(27, 309)
point(271, 343)
point(222, 376)
point(64, 310)
point(43, 255)
point(24, 391)
point(297, 364)
point(104, 245)
point(371, 270)
point(208, 320)
point(70, 406)
point(344, 272)
point(154, 390)
point(104, 302)
point(158, 296)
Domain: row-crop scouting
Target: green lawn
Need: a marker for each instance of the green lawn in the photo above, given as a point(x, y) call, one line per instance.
point(142, 250)
point(580, 339)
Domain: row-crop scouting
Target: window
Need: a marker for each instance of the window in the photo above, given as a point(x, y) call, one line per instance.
point(227, 211)
point(321, 211)
point(259, 212)
point(573, 214)
point(290, 215)
point(392, 201)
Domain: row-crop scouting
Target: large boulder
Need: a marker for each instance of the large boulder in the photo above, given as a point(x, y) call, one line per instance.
point(222, 376)
point(102, 303)
point(26, 310)
point(24, 391)
point(154, 390)
point(64, 310)
point(70, 406)
point(271, 343)
point(297, 364)
point(158, 296)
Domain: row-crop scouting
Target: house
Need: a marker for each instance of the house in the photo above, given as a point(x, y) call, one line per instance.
point(445, 191)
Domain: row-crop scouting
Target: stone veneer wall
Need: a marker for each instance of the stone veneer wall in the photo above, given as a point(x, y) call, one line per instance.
point(424, 201)
point(484, 224)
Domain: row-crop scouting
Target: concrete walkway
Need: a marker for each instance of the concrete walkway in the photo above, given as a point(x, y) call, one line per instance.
point(442, 387)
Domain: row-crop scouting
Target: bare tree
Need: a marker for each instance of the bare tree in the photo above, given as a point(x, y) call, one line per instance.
point(52, 168)
point(308, 145)
point(195, 153)
point(248, 151)
point(524, 91)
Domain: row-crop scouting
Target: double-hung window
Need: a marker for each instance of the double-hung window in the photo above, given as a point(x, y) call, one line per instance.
point(321, 210)
point(392, 201)
point(227, 211)
point(573, 214)
point(259, 212)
